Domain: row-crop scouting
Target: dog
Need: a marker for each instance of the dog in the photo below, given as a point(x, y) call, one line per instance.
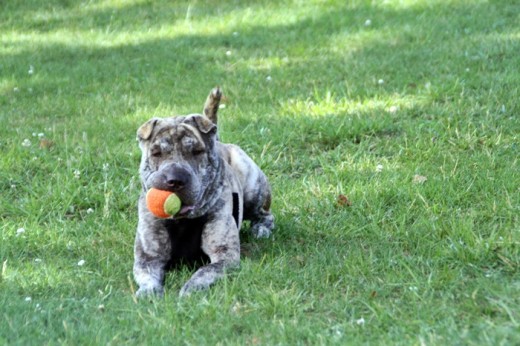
point(219, 186)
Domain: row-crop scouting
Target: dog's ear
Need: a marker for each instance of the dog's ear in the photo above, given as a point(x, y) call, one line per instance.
point(204, 124)
point(145, 131)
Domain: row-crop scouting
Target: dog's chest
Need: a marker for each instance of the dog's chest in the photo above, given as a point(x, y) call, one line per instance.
point(185, 237)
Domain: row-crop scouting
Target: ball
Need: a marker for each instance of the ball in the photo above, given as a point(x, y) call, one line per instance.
point(162, 203)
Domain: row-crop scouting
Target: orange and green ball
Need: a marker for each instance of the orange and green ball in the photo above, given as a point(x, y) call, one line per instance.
point(162, 203)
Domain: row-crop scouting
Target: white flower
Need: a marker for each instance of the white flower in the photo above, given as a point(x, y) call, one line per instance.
point(77, 173)
point(28, 299)
point(368, 22)
point(37, 260)
point(380, 82)
point(41, 135)
point(237, 307)
point(20, 231)
point(222, 106)
point(81, 263)
point(106, 167)
point(90, 211)
point(228, 53)
point(268, 78)
point(419, 179)
point(26, 143)
point(379, 168)
point(337, 331)
point(360, 321)
point(31, 69)
point(393, 109)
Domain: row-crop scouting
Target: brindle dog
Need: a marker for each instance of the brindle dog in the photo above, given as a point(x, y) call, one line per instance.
point(218, 185)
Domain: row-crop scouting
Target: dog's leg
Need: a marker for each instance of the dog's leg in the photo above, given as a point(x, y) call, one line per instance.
point(151, 254)
point(256, 191)
point(148, 271)
point(211, 105)
point(150, 277)
point(220, 241)
point(257, 208)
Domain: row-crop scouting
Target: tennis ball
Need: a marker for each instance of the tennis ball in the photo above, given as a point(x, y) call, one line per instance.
point(162, 203)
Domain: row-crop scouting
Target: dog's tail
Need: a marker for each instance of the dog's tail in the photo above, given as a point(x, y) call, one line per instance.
point(212, 103)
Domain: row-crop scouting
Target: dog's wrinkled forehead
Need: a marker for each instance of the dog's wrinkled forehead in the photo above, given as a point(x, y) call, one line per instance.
point(194, 126)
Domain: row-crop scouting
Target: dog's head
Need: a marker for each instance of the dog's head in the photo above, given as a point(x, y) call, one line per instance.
point(179, 155)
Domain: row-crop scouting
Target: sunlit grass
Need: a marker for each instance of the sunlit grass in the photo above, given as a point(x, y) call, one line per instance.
point(328, 104)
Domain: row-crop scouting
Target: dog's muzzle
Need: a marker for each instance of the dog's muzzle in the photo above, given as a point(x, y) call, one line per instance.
point(180, 180)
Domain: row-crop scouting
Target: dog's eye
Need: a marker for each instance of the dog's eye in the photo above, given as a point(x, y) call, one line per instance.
point(192, 145)
point(156, 152)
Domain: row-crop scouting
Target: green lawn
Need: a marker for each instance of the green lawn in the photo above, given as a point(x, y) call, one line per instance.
point(389, 131)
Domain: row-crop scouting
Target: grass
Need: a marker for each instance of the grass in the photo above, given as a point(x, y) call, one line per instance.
point(329, 105)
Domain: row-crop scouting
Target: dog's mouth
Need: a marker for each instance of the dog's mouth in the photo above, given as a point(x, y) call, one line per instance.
point(184, 211)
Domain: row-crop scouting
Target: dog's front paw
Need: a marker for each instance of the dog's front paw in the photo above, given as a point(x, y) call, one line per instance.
point(150, 291)
point(193, 286)
point(185, 291)
point(204, 277)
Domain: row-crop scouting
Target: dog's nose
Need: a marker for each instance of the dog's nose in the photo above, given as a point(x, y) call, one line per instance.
point(175, 181)
point(175, 184)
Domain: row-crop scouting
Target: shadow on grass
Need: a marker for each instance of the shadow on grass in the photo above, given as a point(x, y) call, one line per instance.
point(77, 80)
point(181, 69)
